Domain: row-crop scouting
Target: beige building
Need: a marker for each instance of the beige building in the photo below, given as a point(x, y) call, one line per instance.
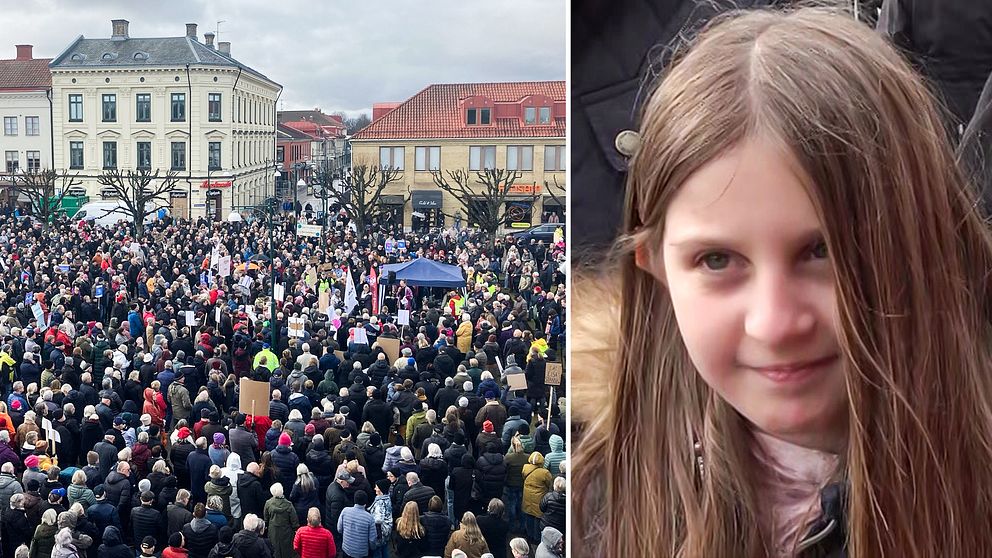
point(515, 126)
point(166, 104)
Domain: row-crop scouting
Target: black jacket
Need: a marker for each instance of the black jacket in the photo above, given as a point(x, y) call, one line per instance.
point(436, 532)
point(118, 491)
point(495, 531)
point(113, 545)
point(491, 472)
point(249, 544)
point(201, 539)
point(251, 494)
point(146, 521)
point(177, 516)
point(335, 501)
point(420, 494)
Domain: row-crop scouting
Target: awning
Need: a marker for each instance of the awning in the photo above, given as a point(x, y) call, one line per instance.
point(427, 199)
point(550, 201)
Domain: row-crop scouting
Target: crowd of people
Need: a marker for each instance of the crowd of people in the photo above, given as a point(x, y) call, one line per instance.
point(123, 433)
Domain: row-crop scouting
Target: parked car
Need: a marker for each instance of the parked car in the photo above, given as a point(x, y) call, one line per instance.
point(104, 213)
point(544, 231)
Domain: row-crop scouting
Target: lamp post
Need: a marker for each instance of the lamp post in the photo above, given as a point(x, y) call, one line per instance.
point(271, 215)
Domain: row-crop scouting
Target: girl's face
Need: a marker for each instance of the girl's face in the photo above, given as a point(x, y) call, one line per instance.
point(752, 288)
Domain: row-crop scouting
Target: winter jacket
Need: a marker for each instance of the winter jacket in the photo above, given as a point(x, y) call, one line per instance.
point(335, 501)
point(8, 487)
point(103, 514)
point(201, 536)
point(457, 540)
point(113, 545)
point(44, 541)
point(514, 468)
point(251, 495)
point(314, 542)
point(81, 494)
point(177, 517)
point(281, 523)
point(198, 464)
point(357, 528)
point(303, 500)
point(118, 490)
point(250, 545)
point(147, 521)
point(553, 507)
point(437, 529)
point(225, 550)
point(420, 494)
point(491, 473)
point(244, 443)
point(557, 455)
point(286, 461)
point(220, 487)
point(433, 472)
point(537, 483)
point(495, 530)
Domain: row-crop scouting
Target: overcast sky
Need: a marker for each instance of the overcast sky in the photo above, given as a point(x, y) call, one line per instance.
point(339, 55)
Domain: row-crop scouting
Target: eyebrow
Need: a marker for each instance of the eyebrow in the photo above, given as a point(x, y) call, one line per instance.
point(703, 241)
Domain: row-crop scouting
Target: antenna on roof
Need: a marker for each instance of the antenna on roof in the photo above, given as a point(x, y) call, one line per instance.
point(218, 28)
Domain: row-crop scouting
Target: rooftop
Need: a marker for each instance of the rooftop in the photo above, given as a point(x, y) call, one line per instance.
point(436, 112)
point(30, 74)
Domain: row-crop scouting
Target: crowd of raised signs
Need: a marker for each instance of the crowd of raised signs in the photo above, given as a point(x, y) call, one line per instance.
point(136, 371)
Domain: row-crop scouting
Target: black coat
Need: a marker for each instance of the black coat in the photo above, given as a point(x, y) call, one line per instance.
point(321, 465)
point(420, 494)
point(199, 542)
point(335, 501)
point(249, 544)
point(380, 415)
point(433, 472)
point(178, 516)
point(251, 494)
point(286, 461)
point(436, 532)
point(147, 521)
point(553, 506)
point(198, 464)
point(118, 491)
point(113, 545)
point(495, 531)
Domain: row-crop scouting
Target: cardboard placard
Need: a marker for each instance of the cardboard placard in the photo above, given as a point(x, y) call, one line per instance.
point(190, 318)
point(339, 354)
point(391, 347)
point(552, 374)
point(296, 327)
point(224, 266)
point(253, 398)
point(323, 301)
point(516, 382)
point(403, 318)
point(280, 292)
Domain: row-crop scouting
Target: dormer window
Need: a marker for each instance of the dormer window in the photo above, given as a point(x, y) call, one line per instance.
point(537, 115)
point(477, 116)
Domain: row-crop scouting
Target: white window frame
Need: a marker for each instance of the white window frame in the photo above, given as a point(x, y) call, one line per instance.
point(428, 158)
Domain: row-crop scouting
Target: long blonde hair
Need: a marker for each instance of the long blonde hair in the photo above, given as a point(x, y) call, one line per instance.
point(911, 258)
point(470, 530)
point(408, 525)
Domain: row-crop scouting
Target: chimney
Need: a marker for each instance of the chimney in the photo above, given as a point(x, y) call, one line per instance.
point(224, 47)
point(120, 29)
point(209, 38)
point(191, 30)
point(24, 52)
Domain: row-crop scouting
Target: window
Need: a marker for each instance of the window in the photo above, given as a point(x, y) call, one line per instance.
point(12, 161)
point(75, 108)
point(145, 155)
point(32, 125)
point(75, 154)
point(428, 158)
point(281, 153)
point(530, 115)
point(110, 154)
point(143, 107)
point(10, 125)
point(178, 155)
point(213, 158)
point(520, 157)
point(554, 157)
point(34, 161)
point(477, 116)
point(391, 157)
point(213, 103)
point(110, 108)
point(178, 107)
point(545, 115)
point(481, 157)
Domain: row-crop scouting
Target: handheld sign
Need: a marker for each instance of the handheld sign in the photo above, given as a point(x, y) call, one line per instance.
point(280, 292)
point(361, 336)
point(224, 266)
point(516, 382)
point(391, 347)
point(403, 317)
point(552, 374)
point(296, 327)
point(254, 397)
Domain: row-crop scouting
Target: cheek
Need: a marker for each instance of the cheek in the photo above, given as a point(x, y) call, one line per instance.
point(711, 329)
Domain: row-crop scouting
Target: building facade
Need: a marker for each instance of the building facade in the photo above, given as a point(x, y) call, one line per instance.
point(25, 110)
point(516, 126)
point(166, 104)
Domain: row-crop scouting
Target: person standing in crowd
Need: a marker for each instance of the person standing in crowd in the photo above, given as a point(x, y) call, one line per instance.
point(357, 528)
point(409, 533)
point(313, 540)
point(468, 538)
point(281, 521)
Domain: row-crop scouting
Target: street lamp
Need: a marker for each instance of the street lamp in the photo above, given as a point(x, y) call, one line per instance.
point(270, 222)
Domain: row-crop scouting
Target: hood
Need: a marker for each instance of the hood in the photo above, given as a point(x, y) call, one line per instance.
point(329, 376)
point(221, 481)
point(550, 537)
point(234, 462)
point(112, 536)
point(537, 458)
point(557, 444)
point(199, 524)
point(316, 445)
point(149, 392)
point(492, 458)
point(66, 520)
point(64, 537)
point(114, 477)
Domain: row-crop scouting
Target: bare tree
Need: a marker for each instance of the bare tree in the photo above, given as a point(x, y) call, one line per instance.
point(486, 203)
point(357, 123)
point(361, 192)
point(138, 194)
point(45, 190)
point(555, 190)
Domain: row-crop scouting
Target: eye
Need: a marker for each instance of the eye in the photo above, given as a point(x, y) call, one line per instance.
point(714, 261)
point(819, 251)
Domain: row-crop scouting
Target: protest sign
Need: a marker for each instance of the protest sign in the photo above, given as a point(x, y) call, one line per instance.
point(403, 317)
point(339, 354)
point(323, 301)
point(360, 336)
point(552, 374)
point(516, 382)
point(391, 347)
point(296, 327)
point(191, 318)
point(280, 292)
point(224, 266)
point(254, 397)
point(39, 315)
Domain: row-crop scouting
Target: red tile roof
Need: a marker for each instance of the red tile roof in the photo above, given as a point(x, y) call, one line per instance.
point(436, 112)
point(25, 74)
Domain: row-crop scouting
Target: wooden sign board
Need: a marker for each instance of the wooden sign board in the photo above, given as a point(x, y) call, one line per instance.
point(253, 398)
point(552, 374)
point(391, 347)
point(516, 382)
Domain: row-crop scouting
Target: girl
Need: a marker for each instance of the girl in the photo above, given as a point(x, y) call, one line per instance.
point(804, 365)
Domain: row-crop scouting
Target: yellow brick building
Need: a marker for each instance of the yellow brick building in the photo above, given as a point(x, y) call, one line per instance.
point(473, 126)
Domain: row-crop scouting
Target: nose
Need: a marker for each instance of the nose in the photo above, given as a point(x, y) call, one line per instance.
point(779, 311)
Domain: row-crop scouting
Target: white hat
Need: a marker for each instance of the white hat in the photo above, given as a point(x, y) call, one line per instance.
point(148, 357)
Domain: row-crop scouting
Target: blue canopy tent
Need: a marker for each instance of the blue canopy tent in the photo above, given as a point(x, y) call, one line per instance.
point(422, 272)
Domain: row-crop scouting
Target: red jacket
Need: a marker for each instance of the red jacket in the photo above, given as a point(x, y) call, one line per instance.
point(314, 542)
point(260, 425)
